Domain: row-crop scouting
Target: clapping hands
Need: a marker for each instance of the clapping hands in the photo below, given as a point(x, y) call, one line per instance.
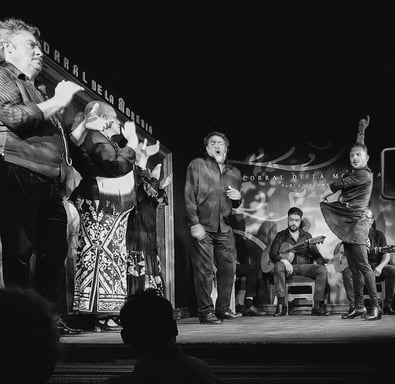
point(129, 132)
point(144, 152)
point(65, 91)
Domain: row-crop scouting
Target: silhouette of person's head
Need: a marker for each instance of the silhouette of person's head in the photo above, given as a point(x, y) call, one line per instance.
point(147, 321)
point(29, 337)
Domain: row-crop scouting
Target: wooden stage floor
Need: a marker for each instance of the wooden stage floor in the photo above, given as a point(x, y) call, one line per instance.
point(267, 329)
point(290, 349)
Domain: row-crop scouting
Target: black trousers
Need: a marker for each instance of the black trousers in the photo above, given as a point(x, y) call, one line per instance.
point(219, 250)
point(362, 273)
point(33, 220)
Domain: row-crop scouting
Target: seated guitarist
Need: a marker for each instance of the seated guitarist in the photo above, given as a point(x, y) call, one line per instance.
point(301, 264)
point(378, 260)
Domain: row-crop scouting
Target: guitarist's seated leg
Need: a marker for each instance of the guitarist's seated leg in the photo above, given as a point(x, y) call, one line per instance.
point(388, 275)
point(251, 291)
point(318, 273)
point(279, 288)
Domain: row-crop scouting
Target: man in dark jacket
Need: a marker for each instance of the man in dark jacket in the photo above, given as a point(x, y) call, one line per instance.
point(33, 162)
point(212, 189)
point(347, 219)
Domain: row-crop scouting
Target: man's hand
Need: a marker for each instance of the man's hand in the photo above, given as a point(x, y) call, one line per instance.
point(377, 271)
point(233, 194)
point(288, 266)
point(363, 124)
point(65, 91)
point(129, 132)
point(198, 232)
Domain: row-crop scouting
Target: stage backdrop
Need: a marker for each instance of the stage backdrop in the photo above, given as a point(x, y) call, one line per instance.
point(297, 176)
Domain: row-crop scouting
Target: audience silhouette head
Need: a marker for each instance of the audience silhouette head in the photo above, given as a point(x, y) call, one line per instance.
point(29, 337)
point(147, 321)
point(149, 326)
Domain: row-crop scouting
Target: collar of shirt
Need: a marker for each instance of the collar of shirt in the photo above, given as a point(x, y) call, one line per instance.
point(302, 235)
point(212, 160)
point(15, 71)
point(366, 168)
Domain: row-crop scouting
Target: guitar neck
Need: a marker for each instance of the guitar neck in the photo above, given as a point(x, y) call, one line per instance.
point(313, 240)
point(385, 249)
point(290, 249)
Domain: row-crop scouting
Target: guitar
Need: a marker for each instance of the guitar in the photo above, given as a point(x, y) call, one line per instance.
point(286, 252)
point(340, 261)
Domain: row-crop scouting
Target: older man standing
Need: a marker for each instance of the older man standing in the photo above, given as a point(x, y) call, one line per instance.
point(212, 189)
point(33, 160)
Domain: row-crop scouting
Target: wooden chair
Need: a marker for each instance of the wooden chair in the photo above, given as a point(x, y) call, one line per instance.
point(300, 287)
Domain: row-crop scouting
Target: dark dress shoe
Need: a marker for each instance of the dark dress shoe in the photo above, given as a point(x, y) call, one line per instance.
point(357, 312)
point(252, 310)
point(319, 311)
point(350, 310)
point(388, 310)
point(65, 330)
point(229, 315)
point(281, 310)
point(373, 314)
point(209, 318)
point(104, 325)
